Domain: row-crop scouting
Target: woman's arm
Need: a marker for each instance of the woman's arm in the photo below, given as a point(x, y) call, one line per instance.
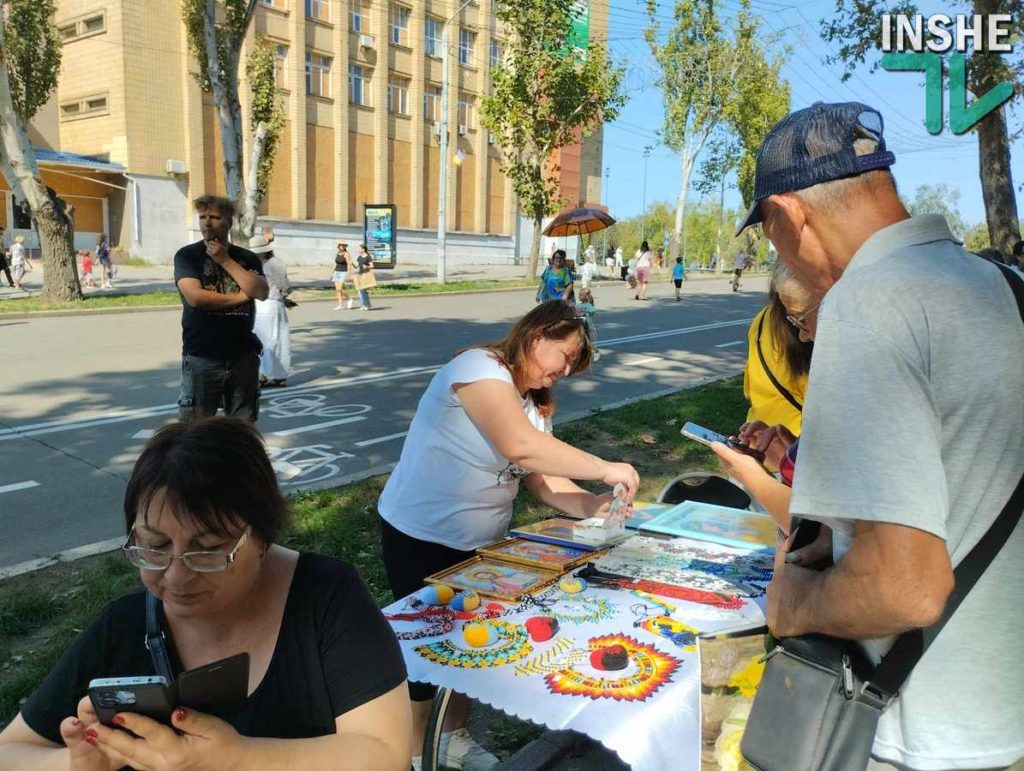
point(566, 496)
point(768, 491)
point(568, 291)
point(495, 408)
point(23, 748)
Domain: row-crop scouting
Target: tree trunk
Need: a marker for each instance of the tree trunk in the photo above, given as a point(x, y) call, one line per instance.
point(997, 182)
point(56, 237)
point(225, 98)
point(534, 261)
point(684, 191)
point(250, 208)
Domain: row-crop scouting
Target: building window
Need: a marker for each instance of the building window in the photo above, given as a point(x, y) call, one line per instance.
point(92, 24)
point(432, 36)
point(496, 53)
point(281, 66)
point(279, 4)
point(318, 75)
point(467, 43)
point(399, 25)
point(359, 85)
point(467, 111)
point(432, 102)
point(398, 95)
point(86, 107)
point(319, 10)
point(359, 16)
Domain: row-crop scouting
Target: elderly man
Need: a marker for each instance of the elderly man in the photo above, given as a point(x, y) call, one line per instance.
point(218, 282)
point(913, 438)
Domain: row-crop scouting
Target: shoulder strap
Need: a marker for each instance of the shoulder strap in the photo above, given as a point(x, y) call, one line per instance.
point(156, 642)
point(767, 370)
point(910, 646)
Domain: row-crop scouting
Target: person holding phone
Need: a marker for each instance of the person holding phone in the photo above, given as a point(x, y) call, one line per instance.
point(203, 513)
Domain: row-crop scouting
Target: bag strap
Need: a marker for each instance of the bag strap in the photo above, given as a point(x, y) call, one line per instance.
point(156, 642)
point(911, 646)
point(767, 370)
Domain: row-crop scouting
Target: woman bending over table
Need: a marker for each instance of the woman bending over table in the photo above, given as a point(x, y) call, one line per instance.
point(326, 679)
point(483, 426)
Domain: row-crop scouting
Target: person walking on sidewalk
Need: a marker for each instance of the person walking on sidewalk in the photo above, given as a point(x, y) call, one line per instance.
point(103, 255)
point(5, 267)
point(218, 282)
point(678, 275)
point(19, 261)
point(643, 271)
point(365, 278)
point(342, 266)
point(271, 325)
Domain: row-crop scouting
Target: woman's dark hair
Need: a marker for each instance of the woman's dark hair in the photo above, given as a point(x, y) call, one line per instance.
point(795, 352)
point(213, 472)
point(556, 254)
point(644, 247)
point(552, 320)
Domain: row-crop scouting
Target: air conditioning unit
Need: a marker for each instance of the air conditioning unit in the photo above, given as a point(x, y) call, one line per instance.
point(463, 130)
point(437, 128)
point(491, 140)
point(366, 41)
point(175, 167)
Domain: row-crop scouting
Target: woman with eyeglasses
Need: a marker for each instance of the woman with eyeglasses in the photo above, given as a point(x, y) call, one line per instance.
point(327, 689)
point(483, 426)
point(798, 306)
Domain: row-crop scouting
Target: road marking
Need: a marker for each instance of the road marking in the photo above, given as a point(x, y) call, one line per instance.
point(316, 426)
point(671, 332)
point(642, 361)
point(379, 439)
point(146, 433)
point(18, 486)
point(734, 342)
point(68, 555)
point(286, 469)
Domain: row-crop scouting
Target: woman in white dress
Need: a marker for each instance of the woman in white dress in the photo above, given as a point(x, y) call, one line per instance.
point(271, 324)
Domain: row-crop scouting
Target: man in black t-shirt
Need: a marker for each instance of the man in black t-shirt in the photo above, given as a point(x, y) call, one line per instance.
point(218, 282)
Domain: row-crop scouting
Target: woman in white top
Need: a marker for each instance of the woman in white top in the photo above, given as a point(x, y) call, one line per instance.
point(19, 261)
point(271, 324)
point(481, 427)
point(643, 271)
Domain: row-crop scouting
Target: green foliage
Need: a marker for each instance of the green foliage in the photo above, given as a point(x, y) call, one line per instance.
point(544, 96)
point(940, 199)
point(267, 108)
point(229, 35)
point(32, 51)
point(976, 238)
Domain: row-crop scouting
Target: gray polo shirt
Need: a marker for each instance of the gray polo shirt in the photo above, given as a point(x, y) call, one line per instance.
point(914, 417)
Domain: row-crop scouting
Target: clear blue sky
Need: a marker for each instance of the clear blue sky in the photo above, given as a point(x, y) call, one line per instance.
point(920, 157)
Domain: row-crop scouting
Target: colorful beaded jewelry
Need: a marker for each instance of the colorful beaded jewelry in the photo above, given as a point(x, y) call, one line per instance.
point(512, 644)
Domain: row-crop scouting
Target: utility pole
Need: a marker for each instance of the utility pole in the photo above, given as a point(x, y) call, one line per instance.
point(605, 193)
point(721, 215)
point(643, 209)
point(442, 177)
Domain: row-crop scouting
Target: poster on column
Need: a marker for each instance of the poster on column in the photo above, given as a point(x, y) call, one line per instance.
point(380, 233)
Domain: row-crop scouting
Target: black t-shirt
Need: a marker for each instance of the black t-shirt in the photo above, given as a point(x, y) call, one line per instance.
point(221, 333)
point(335, 652)
point(341, 262)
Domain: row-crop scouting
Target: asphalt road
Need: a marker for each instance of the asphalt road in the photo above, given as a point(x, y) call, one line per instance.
point(80, 395)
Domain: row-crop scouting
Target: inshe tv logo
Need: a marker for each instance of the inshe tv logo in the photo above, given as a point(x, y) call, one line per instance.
point(918, 43)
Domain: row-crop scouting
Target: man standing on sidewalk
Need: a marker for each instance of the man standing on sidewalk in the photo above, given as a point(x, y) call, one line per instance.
point(218, 282)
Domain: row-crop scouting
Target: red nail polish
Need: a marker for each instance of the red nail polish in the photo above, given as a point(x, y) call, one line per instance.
point(90, 740)
point(117, 720)
point(90, 734)
point(180, 715)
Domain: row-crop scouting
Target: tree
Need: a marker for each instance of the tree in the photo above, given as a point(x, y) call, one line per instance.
point(939, 199)
point(30, 47)
point(545, 95)
point(708, 67)
point(218, 49)
point(976, 237)
point(854, 28)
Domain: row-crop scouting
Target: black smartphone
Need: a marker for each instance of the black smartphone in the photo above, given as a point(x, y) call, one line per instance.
point(219, 689)
point(709, 437)
point(149, 696)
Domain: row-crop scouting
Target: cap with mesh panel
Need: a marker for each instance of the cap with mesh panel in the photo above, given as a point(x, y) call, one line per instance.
point(815, 145)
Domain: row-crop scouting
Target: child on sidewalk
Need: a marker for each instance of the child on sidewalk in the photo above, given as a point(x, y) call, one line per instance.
point(87, 279)
point(585, 309)
point(678, 274)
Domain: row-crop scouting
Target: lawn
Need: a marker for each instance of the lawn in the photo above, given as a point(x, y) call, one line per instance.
point(41, 612)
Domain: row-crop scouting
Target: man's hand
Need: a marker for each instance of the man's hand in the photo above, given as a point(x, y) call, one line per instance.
point(217, 252)
point(789, 583)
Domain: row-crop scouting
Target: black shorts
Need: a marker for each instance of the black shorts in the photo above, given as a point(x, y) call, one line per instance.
point(738, 272)
point(678, 282)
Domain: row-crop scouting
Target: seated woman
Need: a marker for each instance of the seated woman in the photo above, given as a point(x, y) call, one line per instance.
point(326, 680)
point(798, 305)
point(481, 427)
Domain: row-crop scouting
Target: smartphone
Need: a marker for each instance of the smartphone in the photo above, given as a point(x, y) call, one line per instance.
point(709, 437)
point(219, 689)
point(147, 696)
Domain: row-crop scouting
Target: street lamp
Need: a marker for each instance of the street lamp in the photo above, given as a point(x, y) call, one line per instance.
point(643, 205)
point(442, 177)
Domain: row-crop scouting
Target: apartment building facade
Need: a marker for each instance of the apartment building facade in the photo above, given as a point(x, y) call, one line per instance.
point(361, 84)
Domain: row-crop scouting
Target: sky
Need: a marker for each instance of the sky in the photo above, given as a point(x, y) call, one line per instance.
point(921, 158)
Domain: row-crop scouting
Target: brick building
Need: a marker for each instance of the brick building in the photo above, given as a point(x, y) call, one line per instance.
point(361, 83)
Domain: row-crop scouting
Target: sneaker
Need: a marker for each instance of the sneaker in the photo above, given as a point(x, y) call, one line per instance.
point(364, 307)
point(460, 750)
point(339, 307)
point(349, 305)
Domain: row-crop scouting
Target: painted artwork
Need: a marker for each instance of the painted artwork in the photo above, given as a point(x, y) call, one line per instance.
point(644, 512)
point(513, 644)
point(645, 672)
point(692, 564)
point(492, 578)
point(547, 556)
point(559, 531)
point(718, 524)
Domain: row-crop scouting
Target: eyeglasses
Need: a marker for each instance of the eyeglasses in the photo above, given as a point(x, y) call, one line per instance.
point(800, 322)
point(197, 561)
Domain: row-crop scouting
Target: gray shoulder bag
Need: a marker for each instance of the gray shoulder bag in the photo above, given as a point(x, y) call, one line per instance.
point(820, 699)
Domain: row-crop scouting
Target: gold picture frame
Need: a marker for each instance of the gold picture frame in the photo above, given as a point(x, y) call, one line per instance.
point(538, 554)
point(498, 579)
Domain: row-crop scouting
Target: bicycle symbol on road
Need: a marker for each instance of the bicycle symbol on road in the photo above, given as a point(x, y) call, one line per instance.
point(305, 465)
point(300, 405)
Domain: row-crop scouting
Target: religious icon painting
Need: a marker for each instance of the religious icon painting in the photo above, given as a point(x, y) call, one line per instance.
point(512, 644)
point(547, 556)
point(619, 667)
point(494, 578)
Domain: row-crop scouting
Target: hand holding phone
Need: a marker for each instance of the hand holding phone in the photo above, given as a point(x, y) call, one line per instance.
point(147, 696)
point(708, 437)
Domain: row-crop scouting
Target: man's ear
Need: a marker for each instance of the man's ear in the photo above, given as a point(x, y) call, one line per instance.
point(788, 209)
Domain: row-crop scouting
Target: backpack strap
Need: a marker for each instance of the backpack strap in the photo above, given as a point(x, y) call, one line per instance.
point(767, 370)
point(156, 642)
